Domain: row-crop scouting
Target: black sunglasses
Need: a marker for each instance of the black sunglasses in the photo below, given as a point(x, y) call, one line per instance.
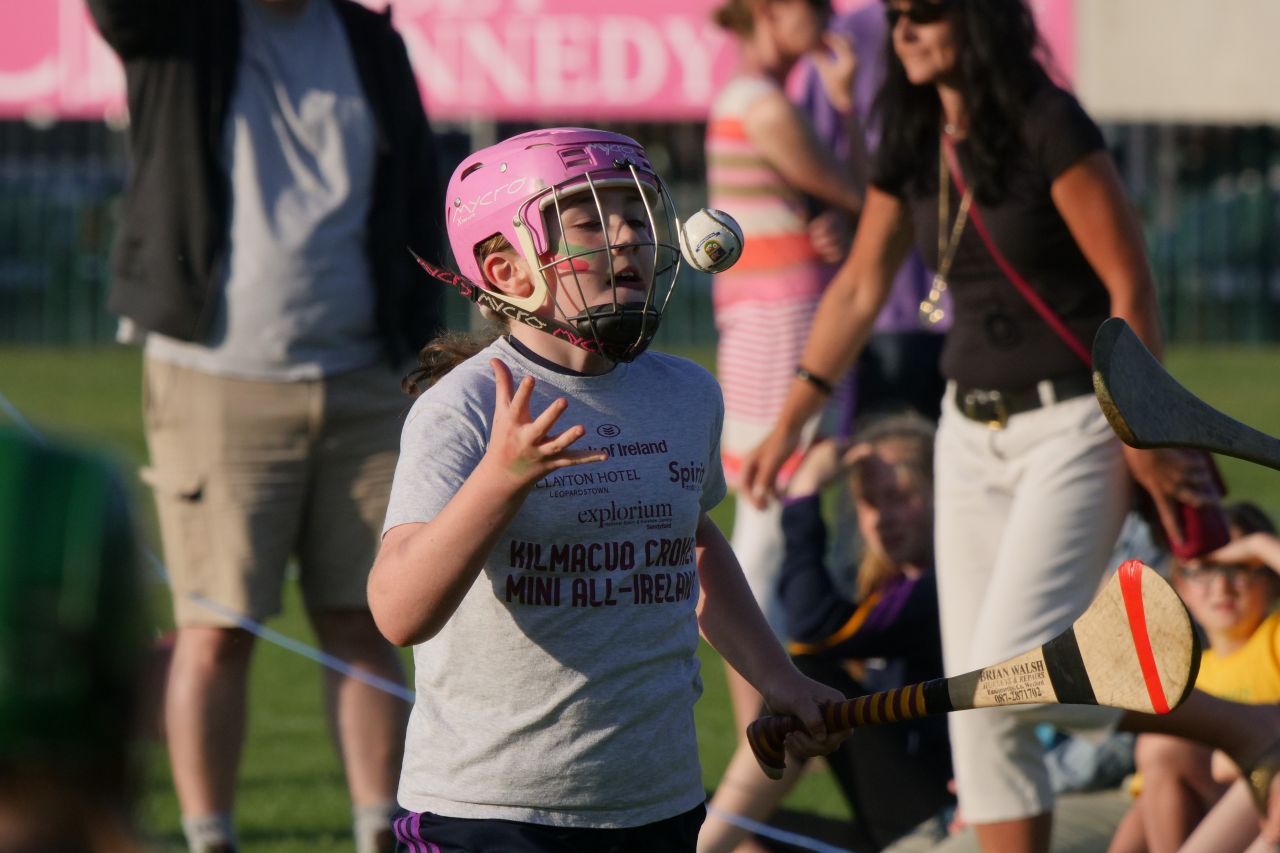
point(918, 12)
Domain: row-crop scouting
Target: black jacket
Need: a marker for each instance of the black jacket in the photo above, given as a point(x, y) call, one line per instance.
point(180, 59)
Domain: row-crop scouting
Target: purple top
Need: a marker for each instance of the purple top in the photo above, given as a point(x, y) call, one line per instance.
point(867, 29)
point(898, 622)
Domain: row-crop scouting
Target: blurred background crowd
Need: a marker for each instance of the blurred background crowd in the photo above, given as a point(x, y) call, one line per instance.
point(1178, 88)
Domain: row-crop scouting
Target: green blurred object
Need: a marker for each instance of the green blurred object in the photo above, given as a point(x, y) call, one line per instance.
point(71, 634)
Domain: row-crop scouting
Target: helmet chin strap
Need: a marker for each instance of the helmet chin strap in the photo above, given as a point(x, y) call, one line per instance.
point(617, 332)
point(624, 329)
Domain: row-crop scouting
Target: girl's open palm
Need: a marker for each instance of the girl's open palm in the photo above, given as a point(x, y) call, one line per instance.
point(523, 446)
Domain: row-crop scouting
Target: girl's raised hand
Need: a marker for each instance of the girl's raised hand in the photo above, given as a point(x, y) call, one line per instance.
point(522, 446)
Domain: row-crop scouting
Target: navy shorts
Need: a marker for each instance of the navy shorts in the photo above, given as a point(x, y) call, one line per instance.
point(432, 833)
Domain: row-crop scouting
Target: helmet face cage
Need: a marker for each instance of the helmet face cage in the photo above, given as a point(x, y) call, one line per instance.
point(620, 329)
point(520, 188)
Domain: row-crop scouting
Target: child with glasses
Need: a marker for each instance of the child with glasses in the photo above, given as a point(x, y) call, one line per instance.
point(1232, 596)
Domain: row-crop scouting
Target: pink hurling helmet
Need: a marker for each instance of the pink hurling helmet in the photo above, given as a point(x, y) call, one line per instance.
point(515, 187)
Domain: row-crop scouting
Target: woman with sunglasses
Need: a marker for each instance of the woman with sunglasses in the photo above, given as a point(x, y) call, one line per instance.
point(983, 154)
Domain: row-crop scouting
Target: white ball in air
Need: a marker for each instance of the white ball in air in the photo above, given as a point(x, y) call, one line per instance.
point(711, 240)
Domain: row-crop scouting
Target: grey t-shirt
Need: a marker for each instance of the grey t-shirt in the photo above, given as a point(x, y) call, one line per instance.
point(297, 297)
point(562, 689)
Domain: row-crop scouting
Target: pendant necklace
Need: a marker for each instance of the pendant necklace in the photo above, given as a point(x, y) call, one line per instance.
point(931, 311)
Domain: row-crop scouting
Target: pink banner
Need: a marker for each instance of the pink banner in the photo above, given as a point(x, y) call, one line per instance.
point(54, 65)
point(508, 59)
point(657, 59)
point(1057, 22)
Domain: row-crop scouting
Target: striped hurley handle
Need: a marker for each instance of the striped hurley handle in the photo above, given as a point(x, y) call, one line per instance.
point(767, 734)
point(1133, 648)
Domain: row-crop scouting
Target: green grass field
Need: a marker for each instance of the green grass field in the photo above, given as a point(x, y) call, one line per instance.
point(291, 795)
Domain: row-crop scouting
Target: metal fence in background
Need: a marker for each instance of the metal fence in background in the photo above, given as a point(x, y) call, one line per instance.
point(59, 188)
point(1209, 198)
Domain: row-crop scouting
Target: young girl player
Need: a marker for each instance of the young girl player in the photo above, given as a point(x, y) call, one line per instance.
point(553, 579)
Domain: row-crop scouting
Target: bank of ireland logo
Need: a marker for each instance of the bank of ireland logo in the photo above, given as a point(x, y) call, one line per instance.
point(608, 430)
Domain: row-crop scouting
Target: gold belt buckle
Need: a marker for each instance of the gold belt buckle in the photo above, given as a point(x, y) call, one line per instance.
point(997, 417)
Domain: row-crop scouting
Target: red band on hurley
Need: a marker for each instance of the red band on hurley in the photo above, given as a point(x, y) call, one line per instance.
point(1131, 589)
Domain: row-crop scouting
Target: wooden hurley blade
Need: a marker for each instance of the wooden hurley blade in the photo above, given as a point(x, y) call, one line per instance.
point(1137, 643)
point(1149, 408)
point(1134, 648)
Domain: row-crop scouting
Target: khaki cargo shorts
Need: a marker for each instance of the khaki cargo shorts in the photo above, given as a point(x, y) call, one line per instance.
point(248, 474)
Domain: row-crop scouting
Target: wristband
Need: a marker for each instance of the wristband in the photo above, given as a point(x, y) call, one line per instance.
point(816, 381)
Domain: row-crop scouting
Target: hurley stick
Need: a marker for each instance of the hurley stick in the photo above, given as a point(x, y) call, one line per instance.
point(1134, 648)
point(1148, 408)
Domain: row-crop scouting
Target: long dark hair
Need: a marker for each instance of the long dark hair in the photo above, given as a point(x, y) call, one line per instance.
point(449, 349)
point(999, 68)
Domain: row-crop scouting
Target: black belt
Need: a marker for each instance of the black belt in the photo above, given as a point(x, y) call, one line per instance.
point(994, 407)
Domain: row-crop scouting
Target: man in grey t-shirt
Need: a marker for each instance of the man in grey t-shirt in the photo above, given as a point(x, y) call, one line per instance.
point(281, 154)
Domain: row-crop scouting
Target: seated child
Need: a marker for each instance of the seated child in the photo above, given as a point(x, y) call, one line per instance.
point(894, 776)
point(1231, 595)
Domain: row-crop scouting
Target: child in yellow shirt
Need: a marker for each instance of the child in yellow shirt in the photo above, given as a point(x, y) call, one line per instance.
point(1231, 595)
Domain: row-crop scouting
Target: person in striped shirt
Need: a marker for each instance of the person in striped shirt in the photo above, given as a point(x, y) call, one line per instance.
point(764, 164)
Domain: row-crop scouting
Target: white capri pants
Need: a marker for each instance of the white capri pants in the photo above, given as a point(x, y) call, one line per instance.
point(1026, 519)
